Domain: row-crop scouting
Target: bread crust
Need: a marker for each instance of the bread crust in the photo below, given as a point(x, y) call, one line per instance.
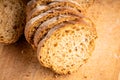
point(33, 3)
point(57, 3)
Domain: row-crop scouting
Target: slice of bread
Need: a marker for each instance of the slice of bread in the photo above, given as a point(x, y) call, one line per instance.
point(67, 46)
point(51, 23)
point(35, 22)
point(12, 20)
point(57, 3)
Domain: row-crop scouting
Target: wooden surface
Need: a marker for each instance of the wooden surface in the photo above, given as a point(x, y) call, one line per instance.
point(19, 62)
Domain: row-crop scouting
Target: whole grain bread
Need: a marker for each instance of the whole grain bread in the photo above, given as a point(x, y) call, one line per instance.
point(49, 24)
point(67, 46)
point(35, 22)
point(12, 20)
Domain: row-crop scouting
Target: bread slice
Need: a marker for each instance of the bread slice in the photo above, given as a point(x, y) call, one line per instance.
point(12, 20)
point(57, 3)
point(35, 22)
point(51, 23)
point(67, 46)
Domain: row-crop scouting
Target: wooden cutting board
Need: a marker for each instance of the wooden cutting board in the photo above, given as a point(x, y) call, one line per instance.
point(19, 62)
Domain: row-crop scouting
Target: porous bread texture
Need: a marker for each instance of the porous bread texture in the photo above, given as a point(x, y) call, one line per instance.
point(35, 22)
point(67, 46)
point(12, 20)
point(57, 3)
point(51, 23)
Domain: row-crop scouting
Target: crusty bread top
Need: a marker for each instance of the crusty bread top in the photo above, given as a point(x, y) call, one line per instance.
point(67, 46)
point(12, 20)
point(34, 23)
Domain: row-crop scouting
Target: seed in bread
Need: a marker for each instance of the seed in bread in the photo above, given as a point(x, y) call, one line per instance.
point(35, 22)
point(51, 23)
point(67, 46)
point(12, 20)
point(57, 3)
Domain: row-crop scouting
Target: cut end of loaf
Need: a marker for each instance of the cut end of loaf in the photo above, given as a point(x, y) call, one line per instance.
point(67, 47)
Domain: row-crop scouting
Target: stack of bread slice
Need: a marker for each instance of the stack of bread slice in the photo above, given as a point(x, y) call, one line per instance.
point(63, 37)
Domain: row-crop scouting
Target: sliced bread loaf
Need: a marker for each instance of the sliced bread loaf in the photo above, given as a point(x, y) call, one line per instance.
point(57, 3)
point(51, 23)
point(12, 20)
point(35, 22)
point(67, 46)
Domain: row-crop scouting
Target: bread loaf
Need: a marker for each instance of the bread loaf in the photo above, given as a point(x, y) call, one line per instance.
point(67, 46)
point(12, 20)
point(61, 35)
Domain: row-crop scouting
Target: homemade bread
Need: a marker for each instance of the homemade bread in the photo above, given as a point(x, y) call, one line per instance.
point(67, 46)
point(63, 37)
point(12, 20)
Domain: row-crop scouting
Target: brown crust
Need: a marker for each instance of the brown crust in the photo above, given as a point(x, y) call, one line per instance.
point(58, 3)
point(51, 32)
point(34, 23)
point(33, 3)
point(34, 12)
